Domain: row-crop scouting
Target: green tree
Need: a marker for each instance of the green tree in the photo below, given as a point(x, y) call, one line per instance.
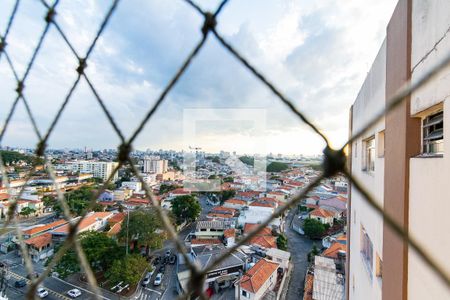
point(314, 251)
point(27, 211)
point(314, 228)
point(228, 179)
point(186, 208)
point(276, 166)
point(101, 251)
point(227, 194)
point(128, 270)
point(216, 159)
point(247, 160)
point(143, 229)
point(164, 188)
point(282, 242)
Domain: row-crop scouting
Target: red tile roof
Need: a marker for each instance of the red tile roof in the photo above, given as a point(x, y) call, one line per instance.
point(321, 212)
point(205, 242)
point(219, 215)
point(236, 201)
point(333, 251)
point(309, 284)
point(40, 240)
point(255, 278)
point(230, 232)
point(220, 209)
point(115, 229)
point(248, 194)
point(46, 227)
point(263, 204)
point(86, 222)
point(265, 241)
point(248, 227)
point(117, 218)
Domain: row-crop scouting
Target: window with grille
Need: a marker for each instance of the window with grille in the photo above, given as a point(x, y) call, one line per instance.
point(366, 247)
point(433, 134)
point(369, 154)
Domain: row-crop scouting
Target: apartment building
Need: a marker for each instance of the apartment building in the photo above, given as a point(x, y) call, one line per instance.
point(402, 162)
point(155, 165)
point(100, 169)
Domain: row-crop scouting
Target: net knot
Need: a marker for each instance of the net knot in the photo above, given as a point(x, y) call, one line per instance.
point(81, 66)
point(50, 15)
point(124, 152)
point(20, 87)
point(209, 24)
point(2, 44)
point(333, 162)
point(40, 149)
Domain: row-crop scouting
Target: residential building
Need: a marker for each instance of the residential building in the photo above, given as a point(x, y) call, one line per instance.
point(325, 216)
point(257, 281)
point(155, 165)
point(40, 247)
point(100, 169)
point(401, 161)
point(211, 229)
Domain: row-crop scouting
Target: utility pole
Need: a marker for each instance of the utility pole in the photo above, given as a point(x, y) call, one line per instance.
point(128, 223)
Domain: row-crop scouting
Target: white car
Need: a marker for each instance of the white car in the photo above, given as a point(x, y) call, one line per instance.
point(158, 279)
point(74, 293)
point(42, 293)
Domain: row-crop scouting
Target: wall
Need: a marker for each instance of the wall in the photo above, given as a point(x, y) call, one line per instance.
point(430, 177)
point(370, 100)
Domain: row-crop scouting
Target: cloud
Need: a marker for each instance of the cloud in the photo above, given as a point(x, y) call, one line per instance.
point(316, 53)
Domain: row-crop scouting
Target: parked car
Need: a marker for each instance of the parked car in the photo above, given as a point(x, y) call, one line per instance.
point(166, 260)
point(146, 280)
point(74, 293)
point(162, 269)
point(168, 253)
point(158, 279)
point(20, 283)
point(173, 259)
point(42, 293)
point(33, 275)
point(157, 260)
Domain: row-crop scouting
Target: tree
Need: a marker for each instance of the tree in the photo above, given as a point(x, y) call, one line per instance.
point(313, 228)
point(247, 160)
point(143, 229)
point(101, 251)
point(26, 211)
point(314, 251)
point(227, 194)
point(164, 188)
point(216, 159)
point(228, 179)
point(128, 270)
point(186, 208)
point(276, 166)
point(213, 176)
point(282, 242)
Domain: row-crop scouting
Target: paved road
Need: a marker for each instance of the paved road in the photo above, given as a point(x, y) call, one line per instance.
point(298, 246)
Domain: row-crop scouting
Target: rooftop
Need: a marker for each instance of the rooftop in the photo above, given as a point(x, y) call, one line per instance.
point(254, 279)
point(40, 240)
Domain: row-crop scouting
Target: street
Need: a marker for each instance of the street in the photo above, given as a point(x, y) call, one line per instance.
point(298, 246)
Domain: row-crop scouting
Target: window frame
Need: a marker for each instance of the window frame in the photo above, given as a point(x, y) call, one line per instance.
point(369, 154)
point(366, 251)
point(433, 124)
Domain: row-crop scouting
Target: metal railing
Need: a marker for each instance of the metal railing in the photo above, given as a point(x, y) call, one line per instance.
point(334, 159)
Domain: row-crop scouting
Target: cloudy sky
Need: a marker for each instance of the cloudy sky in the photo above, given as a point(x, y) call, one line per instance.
point(316, 52)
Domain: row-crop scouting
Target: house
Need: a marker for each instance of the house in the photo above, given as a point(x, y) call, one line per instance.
point(40, 247)
point(221, 276)
point(336, 251)
point(95, 221)
point(235, 203)
point(249, 227)
point(204, 242)
point(323, 215)
point(279, 256)
point(211, 229)
point(338, 202)
point(257, 281)
point(42, 228)
point(264, 241)
point(229, 236)
point(254, 214)
point(107, 195)
point(280, 196)
point(327, 283)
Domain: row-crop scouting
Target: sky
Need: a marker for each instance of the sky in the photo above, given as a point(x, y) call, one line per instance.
point(316, 52)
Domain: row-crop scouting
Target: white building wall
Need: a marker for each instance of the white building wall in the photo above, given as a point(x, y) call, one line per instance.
point(370, 100)
point(429, 197)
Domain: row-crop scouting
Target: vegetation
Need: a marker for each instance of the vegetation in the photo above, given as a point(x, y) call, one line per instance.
point(213, 176)
point(314, 251)
point(314, 228)
point(228, 179)
point(101, 251)
point(247, 160)
point(27, 211)
point(77, 200)
point(276, 166)
point(164, 188)
point(186, 208)
point(216, 159)
point(143, 230)
point(282, 242)
point(11, 157)
point(316, 166)
point(127, 270)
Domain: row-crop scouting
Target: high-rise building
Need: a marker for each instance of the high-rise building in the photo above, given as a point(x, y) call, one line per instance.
point(401, 161)
point(155, 165)
point(99, 169)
